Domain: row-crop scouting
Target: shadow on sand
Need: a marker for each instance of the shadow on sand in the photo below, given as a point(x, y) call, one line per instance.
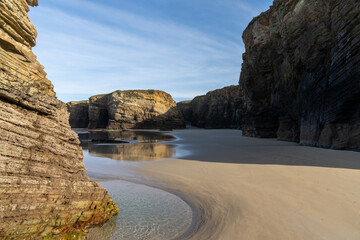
point(229, 146)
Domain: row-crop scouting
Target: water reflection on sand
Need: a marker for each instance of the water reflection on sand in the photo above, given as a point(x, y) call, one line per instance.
point(144, 212)
point(127, 145)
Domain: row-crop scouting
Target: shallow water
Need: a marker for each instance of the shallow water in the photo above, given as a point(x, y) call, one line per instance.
point(144, 212)
point(127, 145)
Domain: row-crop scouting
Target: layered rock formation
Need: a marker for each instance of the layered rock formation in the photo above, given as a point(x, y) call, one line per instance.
point(43, 187)
point(185, 109)
point(138, 109)
point(300, 78)
point(217, 109)
point(79, 114)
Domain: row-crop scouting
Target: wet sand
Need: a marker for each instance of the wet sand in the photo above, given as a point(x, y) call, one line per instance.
point(248, 188)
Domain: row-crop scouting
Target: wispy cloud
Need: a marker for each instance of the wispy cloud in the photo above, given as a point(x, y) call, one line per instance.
point(116, 49)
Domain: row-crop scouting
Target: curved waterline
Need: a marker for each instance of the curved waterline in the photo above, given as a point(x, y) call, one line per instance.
point(145, 213)
point(104, 167)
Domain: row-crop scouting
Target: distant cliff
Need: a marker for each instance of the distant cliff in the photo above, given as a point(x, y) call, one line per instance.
point(43, 187)
point(300, 77)
point(129, 109)
point(217, 109)
point(79, 114)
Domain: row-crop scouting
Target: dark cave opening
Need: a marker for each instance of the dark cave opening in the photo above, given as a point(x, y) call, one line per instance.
point(103, 120)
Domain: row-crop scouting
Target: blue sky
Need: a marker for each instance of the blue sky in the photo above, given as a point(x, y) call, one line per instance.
point(183, 47)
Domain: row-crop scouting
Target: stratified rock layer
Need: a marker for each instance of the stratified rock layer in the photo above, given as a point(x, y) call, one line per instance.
point(79, 114)
point(300, 78)
point(43, 187)
point(151, 109)
point(217, 109)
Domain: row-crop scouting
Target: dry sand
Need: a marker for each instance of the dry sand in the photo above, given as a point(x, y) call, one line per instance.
point(247, 188)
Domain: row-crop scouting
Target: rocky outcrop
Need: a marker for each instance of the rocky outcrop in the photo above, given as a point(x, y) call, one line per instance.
point(217, 109)
point(43, 187)
point(79, 114)
point(133, 109)
point(185, 109)
point(300, 78)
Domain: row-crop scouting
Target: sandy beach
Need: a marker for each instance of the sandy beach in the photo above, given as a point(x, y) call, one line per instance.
point(248, 188)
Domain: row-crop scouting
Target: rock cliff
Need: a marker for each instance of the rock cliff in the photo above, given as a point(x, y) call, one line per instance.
point(217, 109)
point(300, 78)
point(79, 114)
point(185, 109)
point(43, 187)
point(150, 109)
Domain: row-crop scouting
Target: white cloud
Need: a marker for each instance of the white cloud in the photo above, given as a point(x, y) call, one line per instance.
point(86, 56)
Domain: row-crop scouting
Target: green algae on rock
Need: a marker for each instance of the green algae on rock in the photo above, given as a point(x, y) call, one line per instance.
point(44, 190)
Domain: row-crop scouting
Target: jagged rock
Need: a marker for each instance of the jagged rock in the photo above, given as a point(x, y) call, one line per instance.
point(300, 78)
point(79, 114)
point(150, 109)
point(43, 187)
point(220, 108)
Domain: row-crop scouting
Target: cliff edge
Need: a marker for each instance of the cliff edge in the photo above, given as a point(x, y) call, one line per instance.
point(44, 191)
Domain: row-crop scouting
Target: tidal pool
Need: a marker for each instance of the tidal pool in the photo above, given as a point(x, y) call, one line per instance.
point(145, 213)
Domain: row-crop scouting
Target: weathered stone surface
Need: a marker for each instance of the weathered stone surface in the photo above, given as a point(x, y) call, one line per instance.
point(150, 109)
point(220, 108)
point(300, 78)
point(185, 109)
point(79, 114)
point(43, 187)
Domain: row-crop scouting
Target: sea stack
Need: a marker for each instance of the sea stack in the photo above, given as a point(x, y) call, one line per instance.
point(44, 191)
point(131, 109)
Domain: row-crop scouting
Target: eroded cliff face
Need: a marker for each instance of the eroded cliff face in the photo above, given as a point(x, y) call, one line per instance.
point(132, 109)
point(220, 108)
point(79, 114)
point(43, 187)
point(186, 110)
point(300, 78)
